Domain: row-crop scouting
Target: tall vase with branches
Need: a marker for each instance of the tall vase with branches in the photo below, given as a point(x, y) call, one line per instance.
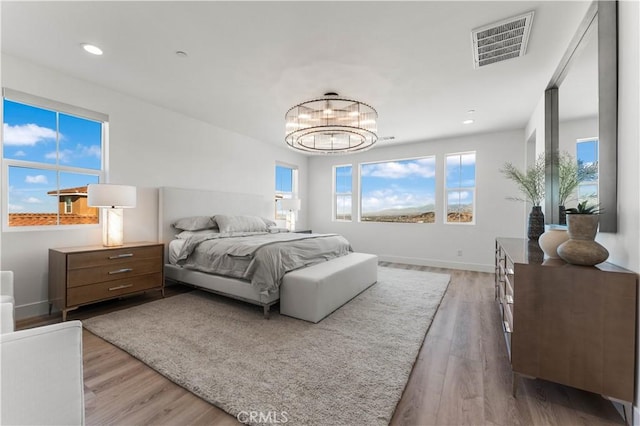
point(531, 184)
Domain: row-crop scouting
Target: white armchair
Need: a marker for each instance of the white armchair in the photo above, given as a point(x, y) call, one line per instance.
point(7, 302)
point(41, 376)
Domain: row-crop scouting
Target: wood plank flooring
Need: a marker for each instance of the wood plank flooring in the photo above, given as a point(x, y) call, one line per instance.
point(461, 376)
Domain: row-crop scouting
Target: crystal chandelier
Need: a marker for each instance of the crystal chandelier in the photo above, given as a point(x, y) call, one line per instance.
point(331, 125)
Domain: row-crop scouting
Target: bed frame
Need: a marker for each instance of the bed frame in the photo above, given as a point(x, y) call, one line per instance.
point(175, 203)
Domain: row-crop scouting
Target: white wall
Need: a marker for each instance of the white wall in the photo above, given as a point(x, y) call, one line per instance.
point(149, 147)
point(433, 244)
point(624, 246)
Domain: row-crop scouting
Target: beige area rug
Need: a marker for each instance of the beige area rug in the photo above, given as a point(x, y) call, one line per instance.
point(349, 369)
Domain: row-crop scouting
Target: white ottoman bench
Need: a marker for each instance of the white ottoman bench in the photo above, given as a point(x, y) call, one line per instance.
point(313, 293)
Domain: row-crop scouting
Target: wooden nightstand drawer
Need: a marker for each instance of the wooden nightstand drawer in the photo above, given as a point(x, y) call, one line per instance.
point(116, 271)
point(106, 290)
point(112, 257)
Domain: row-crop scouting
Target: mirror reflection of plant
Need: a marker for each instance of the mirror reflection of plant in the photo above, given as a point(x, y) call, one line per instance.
point(529, 182)
point(571, 173)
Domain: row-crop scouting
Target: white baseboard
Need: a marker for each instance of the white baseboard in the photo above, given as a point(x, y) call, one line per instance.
point(438, 263)
point(30, 310)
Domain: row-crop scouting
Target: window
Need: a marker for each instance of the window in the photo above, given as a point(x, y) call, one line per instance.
point(286, 187)
point(398, 191)
point(68, 205)
point(342, 192)
point(51, 152)
point(587, 157)
point(460, 187)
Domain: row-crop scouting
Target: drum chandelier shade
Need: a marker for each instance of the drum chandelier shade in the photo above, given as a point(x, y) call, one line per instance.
point(331, 125)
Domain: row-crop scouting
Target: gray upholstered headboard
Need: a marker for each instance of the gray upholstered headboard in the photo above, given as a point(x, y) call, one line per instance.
point(175, 203)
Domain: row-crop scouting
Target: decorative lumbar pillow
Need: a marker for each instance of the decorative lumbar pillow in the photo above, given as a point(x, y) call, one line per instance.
point(195, 223)
point(186, 234)
point(228, 224)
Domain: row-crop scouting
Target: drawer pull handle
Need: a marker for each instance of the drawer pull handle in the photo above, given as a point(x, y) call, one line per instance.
point(120, 271)
point(120, 287)
point(507, 328)
point(120, 256)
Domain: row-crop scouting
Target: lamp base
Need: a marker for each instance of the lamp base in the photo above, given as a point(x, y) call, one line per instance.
point(113, 228)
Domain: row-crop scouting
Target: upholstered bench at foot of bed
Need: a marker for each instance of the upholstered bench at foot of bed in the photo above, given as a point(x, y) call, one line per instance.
point(313, 293)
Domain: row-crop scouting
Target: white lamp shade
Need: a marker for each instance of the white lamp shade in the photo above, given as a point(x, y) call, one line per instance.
point(108, 195)
point(291, 204)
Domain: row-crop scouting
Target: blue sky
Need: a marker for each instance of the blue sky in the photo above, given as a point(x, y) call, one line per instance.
point(38, 135)
point(284, 179)
point(587, 152)
point(398, 184)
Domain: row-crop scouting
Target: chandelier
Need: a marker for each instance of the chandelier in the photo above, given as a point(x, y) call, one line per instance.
point(331, 125)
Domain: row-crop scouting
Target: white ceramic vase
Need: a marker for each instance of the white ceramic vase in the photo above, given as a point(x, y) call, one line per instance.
point(551, 239)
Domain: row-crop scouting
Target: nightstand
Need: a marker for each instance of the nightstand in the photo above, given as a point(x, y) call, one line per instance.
point(83, 275)
point(303, 231)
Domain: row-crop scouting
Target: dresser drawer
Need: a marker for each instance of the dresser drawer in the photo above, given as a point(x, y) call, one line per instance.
point(111, 272)
point(113, 257)
point(106, 290)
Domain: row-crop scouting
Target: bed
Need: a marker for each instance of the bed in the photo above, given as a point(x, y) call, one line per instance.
point(179, 203)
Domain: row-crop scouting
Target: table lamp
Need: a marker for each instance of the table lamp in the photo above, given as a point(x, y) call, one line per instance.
point(113, 198)
point(291, 205)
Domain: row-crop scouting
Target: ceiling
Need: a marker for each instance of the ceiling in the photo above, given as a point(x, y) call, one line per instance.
point(249, 62)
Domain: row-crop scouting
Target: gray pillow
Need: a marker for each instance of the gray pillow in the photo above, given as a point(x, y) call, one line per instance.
point(228, 224)
point(195, 223)
point(186, 234)
point(268, 221)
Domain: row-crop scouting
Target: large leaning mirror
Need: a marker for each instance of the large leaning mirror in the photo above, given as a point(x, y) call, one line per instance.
point(581, 115)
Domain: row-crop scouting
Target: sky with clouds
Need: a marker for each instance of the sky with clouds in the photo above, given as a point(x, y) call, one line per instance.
point(42, 136)
point(398, 184)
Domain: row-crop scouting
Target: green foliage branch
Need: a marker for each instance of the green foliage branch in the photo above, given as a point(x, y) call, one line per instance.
point(583, 208)
point(530, 182)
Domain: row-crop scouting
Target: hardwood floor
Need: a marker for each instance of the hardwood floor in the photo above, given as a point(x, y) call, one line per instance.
point(461, 376)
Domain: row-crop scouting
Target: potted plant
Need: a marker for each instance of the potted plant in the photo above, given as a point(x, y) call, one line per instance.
point(570, 174)
point(531, 185)
point(581, 248)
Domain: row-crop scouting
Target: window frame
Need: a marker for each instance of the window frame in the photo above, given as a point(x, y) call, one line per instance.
point(7, 163)
point(419, 157)
point(591, 182)
point(474, 189)
point(335, 193)
point(294, 187)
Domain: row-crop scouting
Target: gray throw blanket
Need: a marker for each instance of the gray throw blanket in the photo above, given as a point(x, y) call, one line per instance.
point(267, 256)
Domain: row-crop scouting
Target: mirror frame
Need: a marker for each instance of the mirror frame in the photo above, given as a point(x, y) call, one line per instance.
point(606, 14)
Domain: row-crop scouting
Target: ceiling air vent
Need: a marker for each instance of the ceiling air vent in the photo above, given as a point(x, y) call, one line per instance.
point(501, 40)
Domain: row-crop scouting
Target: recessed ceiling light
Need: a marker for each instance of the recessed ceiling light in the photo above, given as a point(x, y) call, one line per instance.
point(467, 122)
point(181, 54)
point(94, 50)
point(471, 111)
